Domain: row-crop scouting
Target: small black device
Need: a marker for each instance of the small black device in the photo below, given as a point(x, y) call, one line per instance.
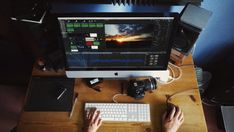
point(92, 83)
point(192, 21)
point(137, 88)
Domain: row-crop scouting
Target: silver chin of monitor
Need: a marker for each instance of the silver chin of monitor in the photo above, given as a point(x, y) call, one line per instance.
point(162, 75)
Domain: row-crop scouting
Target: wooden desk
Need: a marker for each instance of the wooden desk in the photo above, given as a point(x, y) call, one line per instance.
point(189, 102)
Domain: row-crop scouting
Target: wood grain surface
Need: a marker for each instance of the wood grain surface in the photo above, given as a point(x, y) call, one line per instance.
point(184, 90)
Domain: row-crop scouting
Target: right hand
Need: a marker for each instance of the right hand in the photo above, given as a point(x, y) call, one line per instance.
point(173, 120)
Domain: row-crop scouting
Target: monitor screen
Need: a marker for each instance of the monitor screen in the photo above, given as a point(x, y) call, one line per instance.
point(116, 43)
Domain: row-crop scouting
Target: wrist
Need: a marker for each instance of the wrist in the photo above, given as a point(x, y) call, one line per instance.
point(164, 129)
point(87, 129)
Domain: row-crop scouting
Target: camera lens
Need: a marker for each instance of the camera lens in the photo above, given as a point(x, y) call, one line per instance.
point(137, 88)
point(150, 84)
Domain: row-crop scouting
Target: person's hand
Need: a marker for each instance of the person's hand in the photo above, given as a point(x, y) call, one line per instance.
point(93, 120)
point(173, 120)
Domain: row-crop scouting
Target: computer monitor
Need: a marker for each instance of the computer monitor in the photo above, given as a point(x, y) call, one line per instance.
point(117, 45)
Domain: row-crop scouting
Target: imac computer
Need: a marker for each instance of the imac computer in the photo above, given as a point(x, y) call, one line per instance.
point(117, 45)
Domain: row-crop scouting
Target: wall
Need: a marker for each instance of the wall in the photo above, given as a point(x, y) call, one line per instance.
point(217, 40)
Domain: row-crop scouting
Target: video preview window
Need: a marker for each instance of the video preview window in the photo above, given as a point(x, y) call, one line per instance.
point(128, 35)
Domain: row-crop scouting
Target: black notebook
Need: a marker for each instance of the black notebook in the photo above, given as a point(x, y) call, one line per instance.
point(50, 94)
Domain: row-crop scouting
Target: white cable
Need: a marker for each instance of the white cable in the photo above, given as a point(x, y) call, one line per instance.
point(172, 77)
point(113, 98)
point(162, 82)
point(180, 71)
point(172, 71)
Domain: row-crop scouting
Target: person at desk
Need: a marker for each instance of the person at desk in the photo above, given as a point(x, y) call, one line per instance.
point(171, 121)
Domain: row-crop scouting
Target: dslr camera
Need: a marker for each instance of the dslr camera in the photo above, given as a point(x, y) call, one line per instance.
point(137, 88)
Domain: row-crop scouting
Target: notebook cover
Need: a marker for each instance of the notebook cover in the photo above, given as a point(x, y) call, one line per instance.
point(44, 91)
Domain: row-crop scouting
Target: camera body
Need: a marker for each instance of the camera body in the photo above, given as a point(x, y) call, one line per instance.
point(137, 88)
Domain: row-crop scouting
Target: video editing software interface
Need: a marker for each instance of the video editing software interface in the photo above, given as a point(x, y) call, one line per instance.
point(140, 43)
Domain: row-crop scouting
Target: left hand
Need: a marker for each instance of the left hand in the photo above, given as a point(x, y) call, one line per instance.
point(93, 120)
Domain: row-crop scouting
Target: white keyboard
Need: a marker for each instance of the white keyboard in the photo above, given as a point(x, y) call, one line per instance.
point(122, 112)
